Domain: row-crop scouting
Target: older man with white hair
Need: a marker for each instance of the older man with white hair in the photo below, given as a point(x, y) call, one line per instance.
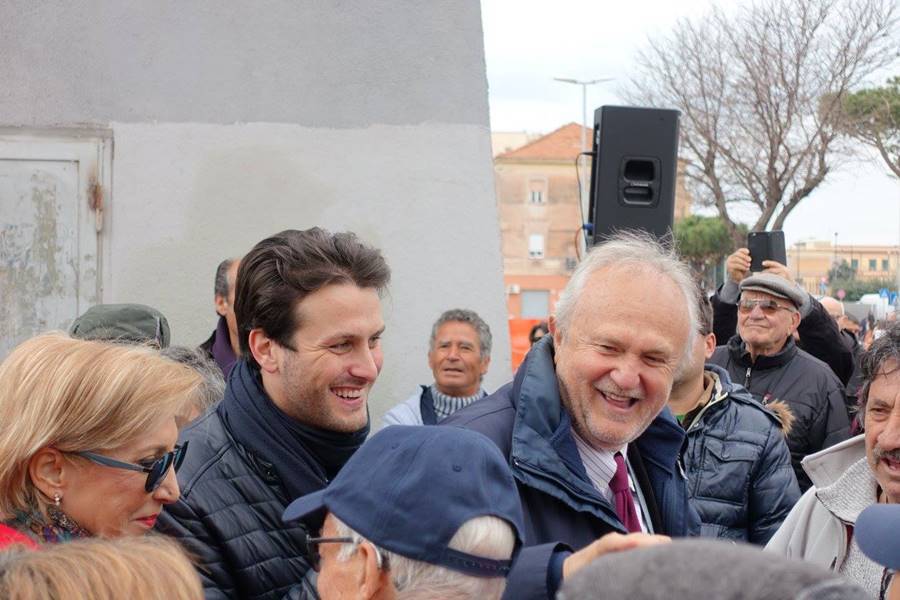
point(584, 424)
point(386, 535)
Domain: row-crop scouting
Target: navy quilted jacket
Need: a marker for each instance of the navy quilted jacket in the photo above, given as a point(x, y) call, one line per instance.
point(229, 518)
point(739, 466)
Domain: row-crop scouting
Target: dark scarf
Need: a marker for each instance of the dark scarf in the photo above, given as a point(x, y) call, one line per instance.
point(305, 458)
point(221, 350)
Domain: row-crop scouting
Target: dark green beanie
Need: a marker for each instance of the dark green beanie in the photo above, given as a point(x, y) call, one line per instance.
point(128, 323)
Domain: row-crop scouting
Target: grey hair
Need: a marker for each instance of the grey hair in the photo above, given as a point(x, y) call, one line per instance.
point(874, 361)
point(464, 315)
point(222, 285)
point(213, 387)
point(632, 249)
point(486, 536)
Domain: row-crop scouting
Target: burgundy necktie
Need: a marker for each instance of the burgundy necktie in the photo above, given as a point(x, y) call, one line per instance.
point(625, 507)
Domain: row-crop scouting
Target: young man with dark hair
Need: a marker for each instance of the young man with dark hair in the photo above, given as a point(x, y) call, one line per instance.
point(309, 317)
point(736, 457)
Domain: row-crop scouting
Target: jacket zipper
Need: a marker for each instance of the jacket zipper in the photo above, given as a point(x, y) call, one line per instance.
point(747, 378)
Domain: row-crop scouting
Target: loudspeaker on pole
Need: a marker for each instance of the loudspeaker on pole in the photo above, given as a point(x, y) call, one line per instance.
point(634, 169)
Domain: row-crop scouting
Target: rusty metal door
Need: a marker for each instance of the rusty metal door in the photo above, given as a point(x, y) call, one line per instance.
point(53, 191)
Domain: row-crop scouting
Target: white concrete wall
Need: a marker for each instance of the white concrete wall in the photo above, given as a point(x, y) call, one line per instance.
point(232, 123)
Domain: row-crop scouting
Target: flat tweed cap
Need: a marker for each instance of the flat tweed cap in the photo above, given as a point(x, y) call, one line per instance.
point(774, 285)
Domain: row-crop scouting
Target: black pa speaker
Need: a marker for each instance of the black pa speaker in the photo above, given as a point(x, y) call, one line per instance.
point(633, 171)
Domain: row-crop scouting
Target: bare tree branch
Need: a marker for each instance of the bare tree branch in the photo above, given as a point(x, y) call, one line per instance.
point(760, 92)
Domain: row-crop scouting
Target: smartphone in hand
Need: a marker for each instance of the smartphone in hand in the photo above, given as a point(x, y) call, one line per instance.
point(765, 245)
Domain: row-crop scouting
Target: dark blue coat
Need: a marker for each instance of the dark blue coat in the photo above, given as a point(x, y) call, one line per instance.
point(528, 423)
point(739, 466)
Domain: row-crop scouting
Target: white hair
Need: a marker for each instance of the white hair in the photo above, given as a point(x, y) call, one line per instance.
point(632, 249)
point(486, 536)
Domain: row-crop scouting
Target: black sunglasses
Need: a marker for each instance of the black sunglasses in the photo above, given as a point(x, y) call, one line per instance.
point(156, 472)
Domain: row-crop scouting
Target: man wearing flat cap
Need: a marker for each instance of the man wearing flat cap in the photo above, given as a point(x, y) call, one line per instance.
point(764, 358)
point(818, 333)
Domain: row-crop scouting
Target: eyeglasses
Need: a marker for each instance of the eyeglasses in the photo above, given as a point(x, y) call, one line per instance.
point(156, 471)
point(768, 307)
point(310, 547)
point(886, 576)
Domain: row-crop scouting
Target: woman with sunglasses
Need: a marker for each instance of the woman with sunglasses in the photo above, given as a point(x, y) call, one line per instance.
point(88, 437)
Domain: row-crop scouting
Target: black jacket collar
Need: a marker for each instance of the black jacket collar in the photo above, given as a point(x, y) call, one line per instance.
point(737, 348)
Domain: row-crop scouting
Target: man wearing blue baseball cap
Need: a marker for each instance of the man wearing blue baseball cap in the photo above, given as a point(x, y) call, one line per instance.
point(427, 512)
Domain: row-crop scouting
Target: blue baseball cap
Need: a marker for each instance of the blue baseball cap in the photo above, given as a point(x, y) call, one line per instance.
point(408, 490)
point(877, 535)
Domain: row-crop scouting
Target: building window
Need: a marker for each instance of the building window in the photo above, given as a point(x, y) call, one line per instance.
point(535, 246)
point(537, 191)
point(535, 304)
point(873, 264)
point(885, 265)
point(854, 264)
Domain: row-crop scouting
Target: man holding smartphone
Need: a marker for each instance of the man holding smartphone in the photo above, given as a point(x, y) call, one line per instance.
point(765, 359)
point(817, 333)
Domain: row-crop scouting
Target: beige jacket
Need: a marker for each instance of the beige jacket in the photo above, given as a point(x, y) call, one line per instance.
point(817, 528)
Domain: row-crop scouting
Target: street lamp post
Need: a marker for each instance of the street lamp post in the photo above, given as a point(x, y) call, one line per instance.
point(835, 259)
point(584, 121)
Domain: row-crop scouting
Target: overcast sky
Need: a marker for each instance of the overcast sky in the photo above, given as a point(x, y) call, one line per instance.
point(529, 42)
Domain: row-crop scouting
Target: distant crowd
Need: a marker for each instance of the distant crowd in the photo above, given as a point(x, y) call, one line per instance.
point(656, 442)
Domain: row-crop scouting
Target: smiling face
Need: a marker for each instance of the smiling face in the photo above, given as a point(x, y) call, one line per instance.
point(326, 381)
point(112, 502)
point(882, 423)
point(764, 333)
point(616, 360)
point(456, 360)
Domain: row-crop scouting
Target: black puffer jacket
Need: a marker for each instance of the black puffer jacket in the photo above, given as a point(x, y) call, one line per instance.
point(806, 384)
point(738, 465)
point(229, 517)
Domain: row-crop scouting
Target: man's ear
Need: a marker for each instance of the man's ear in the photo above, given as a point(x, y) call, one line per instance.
point(376, 581)
point(221, 303)
point(48, 471)
point(265, 350)
point(710, 342)
point(485, 363)
point(553, 328)
point(795, 321)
